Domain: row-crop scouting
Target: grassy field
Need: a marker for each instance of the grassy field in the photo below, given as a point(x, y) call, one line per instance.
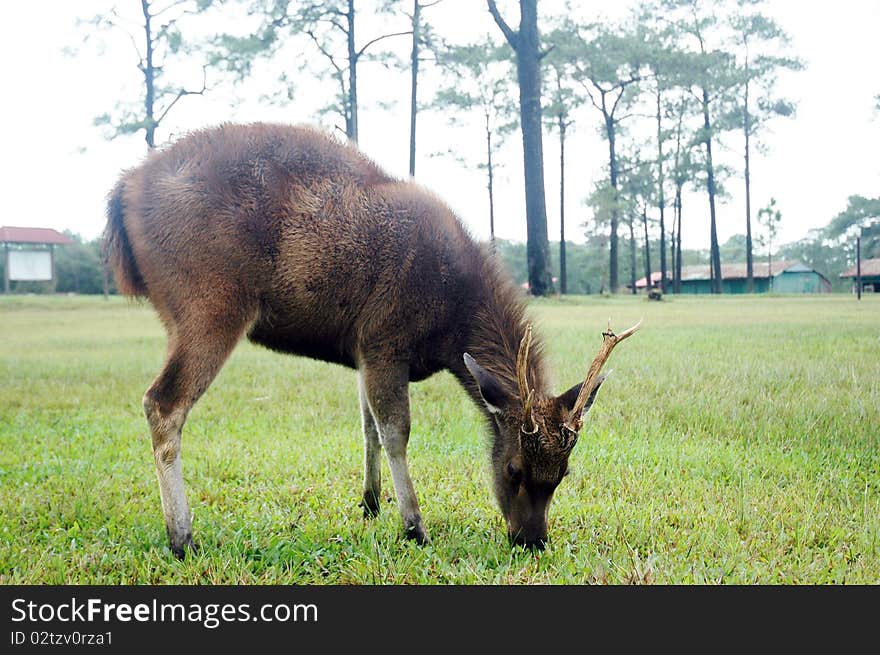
point(738, 441)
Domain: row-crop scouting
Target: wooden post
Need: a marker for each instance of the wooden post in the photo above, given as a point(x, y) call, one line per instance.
point(859, 267)
point(53, 283)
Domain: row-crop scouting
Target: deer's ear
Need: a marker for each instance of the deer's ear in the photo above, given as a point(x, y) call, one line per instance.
point(568, 399)
point(494, 395)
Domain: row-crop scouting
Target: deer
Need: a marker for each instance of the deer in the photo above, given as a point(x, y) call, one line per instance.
point(298, 241)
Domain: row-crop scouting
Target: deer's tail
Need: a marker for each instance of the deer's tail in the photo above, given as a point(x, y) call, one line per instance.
point(117, 251)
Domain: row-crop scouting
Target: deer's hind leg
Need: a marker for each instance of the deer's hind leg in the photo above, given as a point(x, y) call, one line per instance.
point(372, 455)
point(196, 351)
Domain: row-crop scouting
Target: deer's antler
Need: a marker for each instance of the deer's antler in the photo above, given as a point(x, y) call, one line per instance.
point(609, 340)
point(526, 394)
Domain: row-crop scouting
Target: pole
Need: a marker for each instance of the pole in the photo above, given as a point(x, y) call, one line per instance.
point(53, 284)
point(859, 267)
point(6, 268)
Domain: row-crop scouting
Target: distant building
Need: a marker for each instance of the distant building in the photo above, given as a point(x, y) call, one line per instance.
point(785, 277)
point(870, 275)
point(29, 254)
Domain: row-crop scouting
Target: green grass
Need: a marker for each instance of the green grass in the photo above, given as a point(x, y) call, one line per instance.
point(738, 441)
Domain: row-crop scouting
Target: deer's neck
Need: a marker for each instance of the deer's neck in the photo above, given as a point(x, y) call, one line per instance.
point(496, 325)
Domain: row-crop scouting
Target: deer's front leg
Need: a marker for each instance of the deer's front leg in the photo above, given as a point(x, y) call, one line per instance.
point(387, 392)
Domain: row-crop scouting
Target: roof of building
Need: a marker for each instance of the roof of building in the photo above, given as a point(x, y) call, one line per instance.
point(730, 271)
point(44, 235)
point(869, 267)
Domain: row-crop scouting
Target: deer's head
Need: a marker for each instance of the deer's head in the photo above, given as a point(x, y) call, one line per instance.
point(534, 436)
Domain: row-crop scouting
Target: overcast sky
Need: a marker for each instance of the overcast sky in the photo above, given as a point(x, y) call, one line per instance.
point(57, 167)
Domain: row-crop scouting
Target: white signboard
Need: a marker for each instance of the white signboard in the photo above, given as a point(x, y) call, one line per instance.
point(30, 265)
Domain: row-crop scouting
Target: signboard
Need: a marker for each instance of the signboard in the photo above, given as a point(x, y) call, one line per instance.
point(30, 265)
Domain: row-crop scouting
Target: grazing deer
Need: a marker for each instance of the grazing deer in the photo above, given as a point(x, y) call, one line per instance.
point(303, 244)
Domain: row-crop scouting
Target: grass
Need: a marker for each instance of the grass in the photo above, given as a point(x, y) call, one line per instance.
point(737, 442)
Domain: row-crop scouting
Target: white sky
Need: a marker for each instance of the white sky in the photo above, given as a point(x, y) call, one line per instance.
point(57, 167)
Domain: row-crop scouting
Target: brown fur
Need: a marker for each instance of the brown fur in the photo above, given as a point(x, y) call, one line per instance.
point(305, 245)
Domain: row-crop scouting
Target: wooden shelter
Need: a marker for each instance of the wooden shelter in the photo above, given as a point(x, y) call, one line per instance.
point(783, 277)
point(29, 253)
point(870, 275)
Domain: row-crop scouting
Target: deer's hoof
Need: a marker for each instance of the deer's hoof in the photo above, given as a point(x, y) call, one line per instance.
point(180, 547)
point(413, 529)
point(370, 504)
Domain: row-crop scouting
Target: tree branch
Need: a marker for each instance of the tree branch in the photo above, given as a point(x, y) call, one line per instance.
point(117, 26)
point(184, 92)
point(324, 51)
point(511, 36)
point(358, 54)
point(596, 85)
point(335, 23)
point(638, 114)
point(131, 22)
point(279, 22)
point(177, 3)
point(622, 86)
point(342, 108)
point(590, 96)
point(546, 51)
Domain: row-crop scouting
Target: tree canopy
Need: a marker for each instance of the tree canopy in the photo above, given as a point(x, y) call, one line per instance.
point(673, 88)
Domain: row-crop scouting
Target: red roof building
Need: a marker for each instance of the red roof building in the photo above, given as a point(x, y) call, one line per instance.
point(42, 235)
point(870, 275)
point(26, 256)
point(870, 268)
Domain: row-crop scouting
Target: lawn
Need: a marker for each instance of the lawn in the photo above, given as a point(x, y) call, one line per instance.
point(738, 441)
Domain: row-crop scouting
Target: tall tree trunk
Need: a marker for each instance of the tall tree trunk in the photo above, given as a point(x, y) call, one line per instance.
point(414, 71)
point(491, 182)
point(149, 78)
point(563, 287)
point(750, 273)
point(351, 120)
point(661, 199)
point(715, 254)
point(526, 44)
point(677, 276)
point(647, 248)
point(529, 75)
point(613, 279)
point(632, 256)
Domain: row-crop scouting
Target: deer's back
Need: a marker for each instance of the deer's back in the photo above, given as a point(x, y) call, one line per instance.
point(332, 257)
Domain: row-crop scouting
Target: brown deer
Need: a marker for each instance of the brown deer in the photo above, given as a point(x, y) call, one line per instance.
point(305, 245)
